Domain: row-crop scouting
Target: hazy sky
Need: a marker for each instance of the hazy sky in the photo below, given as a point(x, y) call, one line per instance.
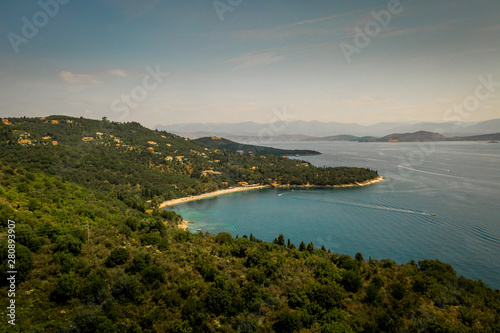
point(238, 60)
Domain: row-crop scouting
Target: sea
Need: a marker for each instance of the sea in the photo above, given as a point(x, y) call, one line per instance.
point(439, 200)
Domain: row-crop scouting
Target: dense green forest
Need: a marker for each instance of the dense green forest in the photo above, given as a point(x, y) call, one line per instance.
point(130, 271)
point(140, 165)
point(89, 258)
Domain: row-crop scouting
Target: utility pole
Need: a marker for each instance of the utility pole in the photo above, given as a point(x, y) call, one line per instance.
point(88, 237)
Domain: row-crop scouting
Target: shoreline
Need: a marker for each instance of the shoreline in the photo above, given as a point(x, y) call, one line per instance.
point(211, 194)
point(365, 183)
point(258, 187)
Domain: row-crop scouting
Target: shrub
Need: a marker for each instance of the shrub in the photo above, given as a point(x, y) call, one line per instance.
point(223, 238)
point(351, 281)
point(327, 296)
point(398, 291)
point(346, 262)
point(287, 322)
point(68, 243)
point(152, 274)
point(24, 260)
point(127, 288)
point(65, 288)
point(372, 294)
point(217, 300)
point(140, 262)
point(65, 260)
point(117, 257)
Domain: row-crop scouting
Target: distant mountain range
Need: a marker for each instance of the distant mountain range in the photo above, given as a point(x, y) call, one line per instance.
point(312, 130)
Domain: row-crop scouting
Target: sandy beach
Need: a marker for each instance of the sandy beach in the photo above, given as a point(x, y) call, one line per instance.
point(211, 194)
point(251, 187)
point(368, 182)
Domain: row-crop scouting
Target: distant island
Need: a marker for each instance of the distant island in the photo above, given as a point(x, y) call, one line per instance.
point(419, 136)
point(243, 149)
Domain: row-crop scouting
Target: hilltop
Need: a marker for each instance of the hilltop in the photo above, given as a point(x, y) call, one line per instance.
point(243, 149)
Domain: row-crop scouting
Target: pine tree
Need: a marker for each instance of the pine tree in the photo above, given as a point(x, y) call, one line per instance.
point(302, 246)
point(310, 247)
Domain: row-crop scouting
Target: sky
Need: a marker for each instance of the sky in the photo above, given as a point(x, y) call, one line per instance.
point(168, 62)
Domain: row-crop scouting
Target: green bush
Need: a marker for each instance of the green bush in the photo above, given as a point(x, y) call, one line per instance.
point(152, 274)
point(223, 238)
point(68, 243)
point(65, 288)
point(117, 257)
point(140, 261)
point(398, 291)
point(126, 289)
point(23, 262)
point(217, 300)
point(287, 322)
point(351, 281)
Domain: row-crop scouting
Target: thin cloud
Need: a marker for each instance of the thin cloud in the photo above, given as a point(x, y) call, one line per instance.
point(256, 59)
point(490, 28)
point(118, 72)
point(320, 19)
point(419, 29)
point(78, 78)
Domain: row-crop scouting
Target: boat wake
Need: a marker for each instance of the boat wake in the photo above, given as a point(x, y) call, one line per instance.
point(357, 204)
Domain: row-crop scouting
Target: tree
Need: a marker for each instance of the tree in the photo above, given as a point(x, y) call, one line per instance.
point(23, 259)
point(280, 240)
point(68, 243)
point(117, 257)
point(351, 281)
point(65, 288)
point(302, 246)
point(287, 322)
point(152, 274)
point(310, 247)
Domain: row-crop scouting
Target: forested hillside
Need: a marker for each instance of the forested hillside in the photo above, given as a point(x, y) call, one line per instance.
point(88, 263)
point(89, 258)
point(140, 165)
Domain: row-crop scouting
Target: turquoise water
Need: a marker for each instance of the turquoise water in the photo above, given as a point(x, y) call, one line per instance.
point(438, 201)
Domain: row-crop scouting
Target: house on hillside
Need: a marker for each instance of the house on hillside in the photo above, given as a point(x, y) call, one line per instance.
point(150, 149)
point(5, 121)
point(210, 172)
point(87, 138)
point(24, 142)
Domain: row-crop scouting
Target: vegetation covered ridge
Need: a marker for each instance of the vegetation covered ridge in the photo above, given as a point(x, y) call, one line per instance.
point(244, 149)
point(89, 263)
point(144, 167)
